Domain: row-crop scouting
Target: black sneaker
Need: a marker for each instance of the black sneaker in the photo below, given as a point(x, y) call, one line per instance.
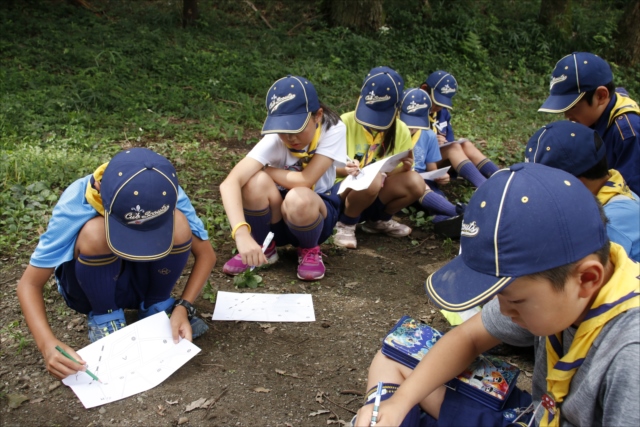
point(449, 227)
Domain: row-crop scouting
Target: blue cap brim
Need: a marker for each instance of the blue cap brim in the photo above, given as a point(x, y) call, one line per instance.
point(291, 123)
point(377, 119)
point(415, 122)
point(441, 100)
point(560, 103)
point(139, 245)
point(456, 287)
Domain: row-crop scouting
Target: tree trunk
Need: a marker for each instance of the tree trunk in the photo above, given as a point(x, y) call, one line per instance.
point(361, 15)
point(190, 13)
point(628, 40)
point(556, 13)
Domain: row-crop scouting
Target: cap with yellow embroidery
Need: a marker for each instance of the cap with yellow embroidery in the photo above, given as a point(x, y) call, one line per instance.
point(139, 192)
point(523, 220)
point(443, 88)
point(379, 99)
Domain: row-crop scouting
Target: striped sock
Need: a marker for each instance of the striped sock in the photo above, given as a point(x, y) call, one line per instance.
point(434, 202)
point(309, 234)
point(467, 170)
point(260, 222)
point(97, 276)
point(165, 272)
point(487, 167)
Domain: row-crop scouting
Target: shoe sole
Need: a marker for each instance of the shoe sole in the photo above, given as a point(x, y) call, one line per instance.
point(348, 246)
point(375, 231)
point(270, 260)
point(310, 279)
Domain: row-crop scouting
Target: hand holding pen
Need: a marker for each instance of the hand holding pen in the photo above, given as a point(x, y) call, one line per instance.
point(265, 245)
point(352, 167)
point(376, 405)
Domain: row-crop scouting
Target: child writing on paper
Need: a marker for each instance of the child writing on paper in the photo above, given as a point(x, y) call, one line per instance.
point(373, 133)
point(118, 238)
point(577, 299)
point(414, 112)
point(286, 182)
point(465, 158)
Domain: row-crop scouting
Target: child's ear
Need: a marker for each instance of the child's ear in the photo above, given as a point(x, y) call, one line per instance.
point(591, 275)
point(424, 87)
point(602, 95)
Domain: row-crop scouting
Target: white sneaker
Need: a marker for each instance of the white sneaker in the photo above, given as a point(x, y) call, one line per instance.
point(345, 236)
point(390, 228)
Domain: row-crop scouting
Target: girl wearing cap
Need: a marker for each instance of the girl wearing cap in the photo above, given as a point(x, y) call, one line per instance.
point(286, 182)
point(465, 158)
point(414, 112)
point(373, 133)
point(118, 239)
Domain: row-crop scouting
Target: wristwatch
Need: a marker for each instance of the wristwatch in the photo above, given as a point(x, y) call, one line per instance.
point(191, 310)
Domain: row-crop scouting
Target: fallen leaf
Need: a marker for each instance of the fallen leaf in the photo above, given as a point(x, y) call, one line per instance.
point(261, 390)
point(319, 412)
point(206, 315)
point(15, 400)
point(341, 422)
point(264, 325)
point(169, 402)
point(54, 385)
point(269, 330)
point(351, 285)
point(528, 374)
point(281, 372)
point(38, 400)
point(319, 397)
point(161, 410)
point(183, 420)
point(195, 404)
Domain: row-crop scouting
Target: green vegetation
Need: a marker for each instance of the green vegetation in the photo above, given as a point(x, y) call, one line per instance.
point(77, 85)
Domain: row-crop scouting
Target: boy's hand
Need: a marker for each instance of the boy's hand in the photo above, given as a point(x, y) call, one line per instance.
point(443, 179)
point(407, 162)
point(441, 140)
point(180, 326)
point(388, 415)
point(352, 168)
point(250, 250)
point(57, 364)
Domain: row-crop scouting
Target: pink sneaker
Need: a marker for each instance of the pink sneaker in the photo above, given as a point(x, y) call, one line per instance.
point(310, 263)
point(235, 265)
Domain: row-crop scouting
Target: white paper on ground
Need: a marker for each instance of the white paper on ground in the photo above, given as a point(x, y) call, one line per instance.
point(364, 179)
point(264, 307)
point(431, 175)
point(131, 360)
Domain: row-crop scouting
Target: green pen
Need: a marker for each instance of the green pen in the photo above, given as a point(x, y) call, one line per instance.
point(68, 356)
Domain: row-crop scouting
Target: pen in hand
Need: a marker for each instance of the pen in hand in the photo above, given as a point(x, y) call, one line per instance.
point(68, 356)
point(265, 245)
point(376, 405)
point(359, 171)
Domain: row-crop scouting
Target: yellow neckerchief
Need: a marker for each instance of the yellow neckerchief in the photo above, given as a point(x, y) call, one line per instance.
point(415, 137)
point(307, 153)
point(92, 195)
point(613, 187)
point(619, 294)
point(623, 105)
point(374, 142)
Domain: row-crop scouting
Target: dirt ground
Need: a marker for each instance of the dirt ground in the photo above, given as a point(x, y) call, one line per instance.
point(298, 374)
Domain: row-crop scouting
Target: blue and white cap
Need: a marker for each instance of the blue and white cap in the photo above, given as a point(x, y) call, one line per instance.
point(523, 220)
point(572, 77)
point(378, 102)
point(290, 102)
point(415, 109)
point(443, 87)
point(394, 75)
point(139, 191)
point(566, 145)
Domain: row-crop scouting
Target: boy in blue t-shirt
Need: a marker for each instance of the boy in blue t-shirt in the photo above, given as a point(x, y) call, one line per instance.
point(118, 238)
point(582, 88)
point(465, 158)
point(414, 112)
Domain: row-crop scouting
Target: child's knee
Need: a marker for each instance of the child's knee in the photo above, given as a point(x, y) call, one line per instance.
point(92, 239)
point(258, 185)
point(181, 229)
point(300, 202)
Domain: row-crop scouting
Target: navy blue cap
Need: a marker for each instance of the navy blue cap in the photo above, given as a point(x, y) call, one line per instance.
point(378, 102)
point(394, 75)
point(139, 191)
point(523, 220)
point(443, 87)
point(566, 145)
point(415, 109)
point(290, 102)
point(572, 77)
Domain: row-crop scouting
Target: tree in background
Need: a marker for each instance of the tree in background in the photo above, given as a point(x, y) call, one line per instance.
point(190, 12)
point(361, 15)
point(556, 13)
point(628, 40)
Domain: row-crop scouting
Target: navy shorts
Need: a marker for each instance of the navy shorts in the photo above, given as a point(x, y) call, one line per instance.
point(131, 285)
point(331, 199)
point(460, 410)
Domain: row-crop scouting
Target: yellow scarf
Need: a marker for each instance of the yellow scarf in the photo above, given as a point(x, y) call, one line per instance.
point(623, 105)
point(620, 294)
point(92, 195)
point(415, 137)
point(374, 143)
point(308, 152)
point(613, 187)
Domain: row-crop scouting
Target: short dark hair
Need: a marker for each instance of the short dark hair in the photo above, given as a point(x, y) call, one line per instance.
point(600, 169)
point(611, 87)
point(329, 117)
point(558, 275)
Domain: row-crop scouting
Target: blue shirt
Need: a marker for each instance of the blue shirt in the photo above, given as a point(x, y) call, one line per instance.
point(57, 244)
point(624, 223)
point(425, 151)
point(622, 140)
point(442, 124)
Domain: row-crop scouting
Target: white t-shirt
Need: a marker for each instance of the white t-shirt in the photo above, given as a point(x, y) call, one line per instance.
point(332, 144)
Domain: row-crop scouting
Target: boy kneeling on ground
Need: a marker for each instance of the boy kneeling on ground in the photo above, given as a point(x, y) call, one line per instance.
point(534, 236)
